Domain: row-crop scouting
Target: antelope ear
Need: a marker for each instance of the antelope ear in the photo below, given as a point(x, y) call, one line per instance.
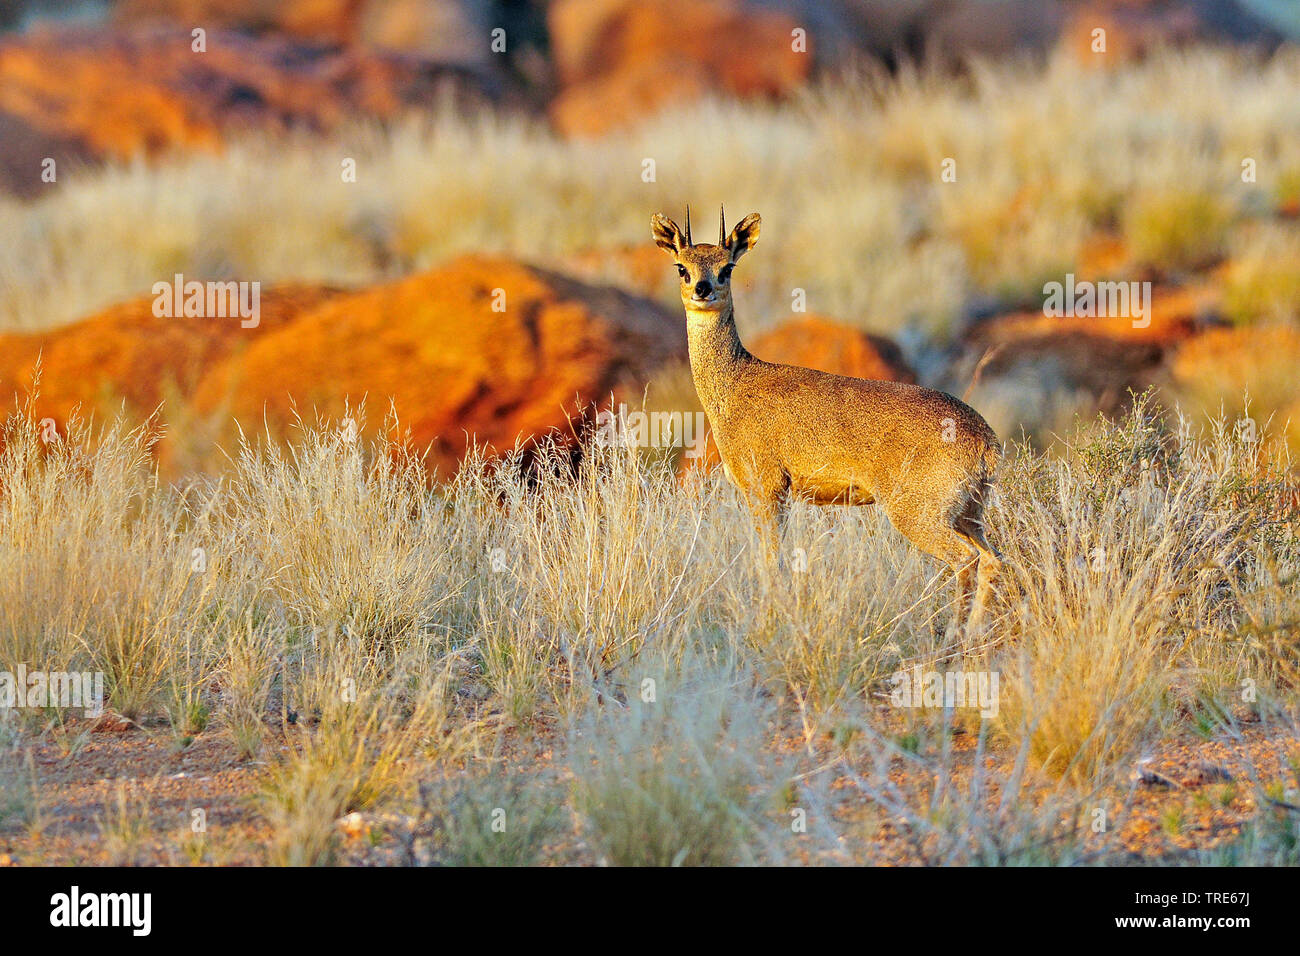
point(666, 234)
point(744, 236)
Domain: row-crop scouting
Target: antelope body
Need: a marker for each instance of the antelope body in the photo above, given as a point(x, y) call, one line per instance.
point(924, 456)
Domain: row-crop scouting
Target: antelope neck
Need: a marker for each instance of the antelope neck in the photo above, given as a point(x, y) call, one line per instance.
point(715, 347)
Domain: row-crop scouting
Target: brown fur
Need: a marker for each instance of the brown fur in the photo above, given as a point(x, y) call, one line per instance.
point(924, 456)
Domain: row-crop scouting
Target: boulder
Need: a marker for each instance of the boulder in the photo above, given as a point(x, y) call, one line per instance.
point(483, 349)
point(1221, 368)
point(1039, 370)
point(640, 268)
point(818, 342)
point(320, 21)
point(444, 31)
point(1134, 28)
point(127, 352)
point(621, 60)
point(105, 94)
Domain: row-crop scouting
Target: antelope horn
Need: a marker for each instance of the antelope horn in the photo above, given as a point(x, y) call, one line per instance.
point(688, 225)
point(722, 226)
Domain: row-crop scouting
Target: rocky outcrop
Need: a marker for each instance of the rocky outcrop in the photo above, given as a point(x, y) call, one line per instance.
point(817, 342)
point(621, 60)
point(484, 350)
point(96, 94)
point(128, 352)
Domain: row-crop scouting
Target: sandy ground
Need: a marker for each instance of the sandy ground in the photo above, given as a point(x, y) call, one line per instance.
point(1192, 795)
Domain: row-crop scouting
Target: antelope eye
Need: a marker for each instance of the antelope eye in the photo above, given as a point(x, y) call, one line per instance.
point(681, 271)
point(724, 274)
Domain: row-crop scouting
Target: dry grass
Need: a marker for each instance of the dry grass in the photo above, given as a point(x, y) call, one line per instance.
point(125, 826)
point(1263, 284)
point(500, 819)
point(874, 236)
point(392, 636)
point(1177, 230)
point(388, 629)
point(19, 793)
point(675, 776)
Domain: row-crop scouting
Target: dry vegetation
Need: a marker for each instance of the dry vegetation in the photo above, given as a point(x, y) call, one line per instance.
point(372, 643)
point(1052, 163)
point(503, 669)
point(846, 177)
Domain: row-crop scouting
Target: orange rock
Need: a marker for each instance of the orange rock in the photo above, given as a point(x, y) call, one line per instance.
point(1216, 371)
point(353, 825)
point(111, 722)
point(1175, 314)
point(1240, 355)
point(1102, 257)
point(620, 60)
point(95, 91)
point(1103, 357)
point(818, 342)
point(126, 352)
point(116, 95)
point(455, 366)
point(1134, 28)
point(445, 31)
point(1118, 42)
point(433, 343)
point(325, 21)
point(642, 268)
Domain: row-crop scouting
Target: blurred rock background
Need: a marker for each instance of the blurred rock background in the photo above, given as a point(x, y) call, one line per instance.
point(503, 144)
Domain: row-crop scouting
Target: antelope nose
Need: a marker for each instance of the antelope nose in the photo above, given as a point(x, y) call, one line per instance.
point(702, 289)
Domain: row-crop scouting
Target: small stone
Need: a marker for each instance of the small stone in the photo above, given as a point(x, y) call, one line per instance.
point(1145, 775)
point(110, 723)
point(354, 825)
point(1204, 772)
